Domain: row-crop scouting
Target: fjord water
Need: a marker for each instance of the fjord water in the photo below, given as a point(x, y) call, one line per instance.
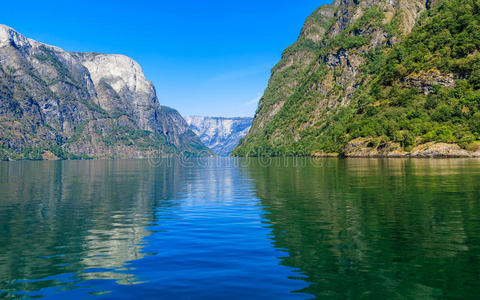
point(229, 228)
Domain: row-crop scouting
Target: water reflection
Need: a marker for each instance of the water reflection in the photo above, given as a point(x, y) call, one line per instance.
point(68, 217)
point(377, 228)
point(130, 229)
point(241, 228)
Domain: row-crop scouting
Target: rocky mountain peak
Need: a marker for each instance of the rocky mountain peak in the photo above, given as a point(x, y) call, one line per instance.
point(220, 134)
point(69, 104)
point(8, 36)
point(122, 72)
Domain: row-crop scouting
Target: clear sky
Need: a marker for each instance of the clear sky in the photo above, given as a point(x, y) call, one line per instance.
point(205, 57)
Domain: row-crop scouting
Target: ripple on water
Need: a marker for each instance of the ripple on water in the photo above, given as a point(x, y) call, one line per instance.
point(328, 228)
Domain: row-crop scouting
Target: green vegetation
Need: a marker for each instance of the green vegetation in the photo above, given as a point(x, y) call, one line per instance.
point(372, 17)
point(59, 152)
point(129, 136)
point(96, 108)
point(78, 134)
point(388, 109)
point(297, 60)
point(45, 97)
point(48, 57)
point(277, 136)
point(425, 88)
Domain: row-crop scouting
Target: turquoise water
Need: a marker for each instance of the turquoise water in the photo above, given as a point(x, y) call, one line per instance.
point(241, 229)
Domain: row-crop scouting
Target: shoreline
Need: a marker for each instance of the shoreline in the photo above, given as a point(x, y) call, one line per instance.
point(362, 148)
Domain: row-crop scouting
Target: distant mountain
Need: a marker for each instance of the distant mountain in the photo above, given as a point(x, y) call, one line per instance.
point(58, 104)
point(221, 135)
point(375, 78)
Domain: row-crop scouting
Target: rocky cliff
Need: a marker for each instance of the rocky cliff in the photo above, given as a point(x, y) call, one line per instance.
point(59, 104)
point(221, 135)
point(394, 74)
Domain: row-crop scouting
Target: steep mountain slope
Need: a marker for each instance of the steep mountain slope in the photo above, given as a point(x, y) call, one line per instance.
point(220, 134)
point(55, 103)
point(379, 78)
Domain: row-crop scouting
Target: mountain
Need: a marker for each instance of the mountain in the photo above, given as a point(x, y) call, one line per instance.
point(59, 104)
point(375, 78)
point(221, 135)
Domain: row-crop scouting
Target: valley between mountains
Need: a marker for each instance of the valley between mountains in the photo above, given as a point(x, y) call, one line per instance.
point(374, 78)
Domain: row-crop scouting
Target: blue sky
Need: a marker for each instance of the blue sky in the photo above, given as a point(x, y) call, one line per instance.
point(207, 57)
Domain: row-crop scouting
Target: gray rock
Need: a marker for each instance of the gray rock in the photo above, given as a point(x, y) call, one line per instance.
point(321, 72)
point(363, 147)
point(221, 135)
point(426, 82)
point(81, 104)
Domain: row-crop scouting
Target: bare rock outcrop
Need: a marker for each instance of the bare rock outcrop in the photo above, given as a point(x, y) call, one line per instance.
point(427, 81)
point(362, 147)
point(55, 103)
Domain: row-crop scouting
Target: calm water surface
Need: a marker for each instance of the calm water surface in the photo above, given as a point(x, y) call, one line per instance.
point(241, 229)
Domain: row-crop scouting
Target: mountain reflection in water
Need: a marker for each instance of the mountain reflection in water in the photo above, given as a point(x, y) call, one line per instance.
point(241, 228)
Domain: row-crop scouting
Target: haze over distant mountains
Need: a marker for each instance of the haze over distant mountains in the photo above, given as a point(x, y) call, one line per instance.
point(58, 104)
point(221, 135)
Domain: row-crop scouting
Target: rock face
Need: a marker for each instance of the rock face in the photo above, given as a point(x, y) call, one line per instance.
point(373, 70)
point(55, 103)
point(322, 69)
point(426, 82)
point(367, 148)
point(341, 65)
point(221, 135)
